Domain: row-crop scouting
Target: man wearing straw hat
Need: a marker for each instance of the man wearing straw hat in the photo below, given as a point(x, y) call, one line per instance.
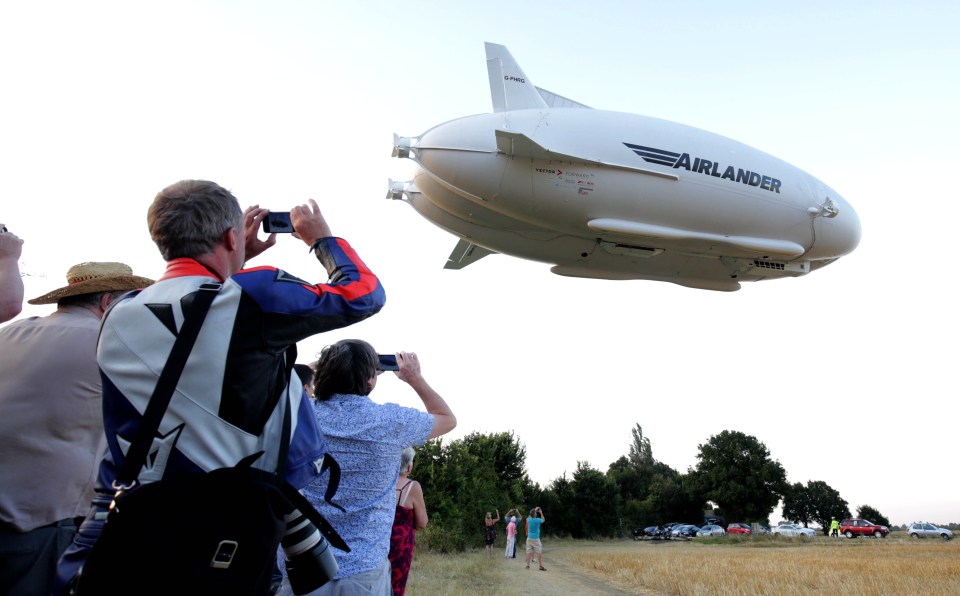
point(51, 427)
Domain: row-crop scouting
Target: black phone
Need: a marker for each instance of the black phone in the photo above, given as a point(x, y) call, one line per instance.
point(277, 222)
point(387, 362)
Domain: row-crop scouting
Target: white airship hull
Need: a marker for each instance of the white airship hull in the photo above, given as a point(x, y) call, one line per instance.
point(619, 196)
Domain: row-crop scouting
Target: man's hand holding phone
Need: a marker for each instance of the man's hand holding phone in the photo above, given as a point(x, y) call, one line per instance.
point(304, 222)
point(254, 246)
point(309, 224)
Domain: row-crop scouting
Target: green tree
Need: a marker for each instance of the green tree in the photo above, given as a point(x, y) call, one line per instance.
point(507, 460)
point(735, 472)
point(463, 480)
point(816, 502)
point(594, 504)
point(556, 503)
point(796, 504)
point(825, 503)
point(456, 487)
point(632, 475)
point(673, 498)
point(651, 492)
point(641, 453)
point(629, 481)
point(869, 513)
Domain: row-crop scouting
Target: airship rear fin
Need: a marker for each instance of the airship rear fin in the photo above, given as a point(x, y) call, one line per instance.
point(558, 101)
point(520, 145)
point(465, 253)
point(510, 89)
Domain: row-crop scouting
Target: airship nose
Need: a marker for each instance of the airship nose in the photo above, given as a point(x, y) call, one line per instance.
point(837, 227)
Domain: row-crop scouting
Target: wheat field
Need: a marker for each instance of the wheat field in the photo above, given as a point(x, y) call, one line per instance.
point(759, 565)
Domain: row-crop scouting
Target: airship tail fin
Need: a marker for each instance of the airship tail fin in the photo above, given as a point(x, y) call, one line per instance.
point(465, 253)
point(510, 89)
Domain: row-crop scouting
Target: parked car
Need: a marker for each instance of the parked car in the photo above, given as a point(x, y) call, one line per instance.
point(763, 529)
point(793, 530)
point(862, 527)
point(684, 531)
point(656, 532)
point(737, 528)
point(928, 530)
point(670, 526)
point(711, 530)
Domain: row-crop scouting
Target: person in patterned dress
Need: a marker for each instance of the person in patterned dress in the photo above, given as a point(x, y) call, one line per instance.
point(410, 516)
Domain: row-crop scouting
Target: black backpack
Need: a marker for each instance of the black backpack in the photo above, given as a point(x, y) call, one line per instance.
point(213, 533)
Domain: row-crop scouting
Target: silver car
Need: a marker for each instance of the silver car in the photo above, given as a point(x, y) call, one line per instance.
point(711, 530)
point(793, 530)
point(928, 530)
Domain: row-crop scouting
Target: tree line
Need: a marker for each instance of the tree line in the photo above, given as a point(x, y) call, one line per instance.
point(735, 478)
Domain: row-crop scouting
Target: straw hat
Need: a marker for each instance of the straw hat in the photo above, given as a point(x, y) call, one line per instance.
point(90, 278)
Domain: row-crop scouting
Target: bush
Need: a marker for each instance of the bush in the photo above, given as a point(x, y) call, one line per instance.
point(437, 539)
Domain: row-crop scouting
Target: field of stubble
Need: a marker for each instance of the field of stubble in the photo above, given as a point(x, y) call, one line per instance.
point(760, 565)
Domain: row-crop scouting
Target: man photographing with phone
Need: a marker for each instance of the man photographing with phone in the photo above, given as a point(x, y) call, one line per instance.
point(534, 546)
point(367, 439)
point(231, 399)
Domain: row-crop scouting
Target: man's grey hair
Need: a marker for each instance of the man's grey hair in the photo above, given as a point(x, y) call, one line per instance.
point(406, 459)
point(188, 218)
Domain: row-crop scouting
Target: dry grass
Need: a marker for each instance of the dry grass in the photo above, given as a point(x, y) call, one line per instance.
point(748, 566)
point(864, 566)
point(454, 575)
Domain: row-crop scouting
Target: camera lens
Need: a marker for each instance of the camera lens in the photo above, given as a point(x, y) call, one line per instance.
point(310, 562)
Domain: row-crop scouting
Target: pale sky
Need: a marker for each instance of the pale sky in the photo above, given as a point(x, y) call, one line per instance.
point(844, 374)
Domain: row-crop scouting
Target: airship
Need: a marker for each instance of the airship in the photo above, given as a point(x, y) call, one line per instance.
point(609, 195)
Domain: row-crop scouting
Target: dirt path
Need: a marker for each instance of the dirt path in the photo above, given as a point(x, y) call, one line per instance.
point(561, 576)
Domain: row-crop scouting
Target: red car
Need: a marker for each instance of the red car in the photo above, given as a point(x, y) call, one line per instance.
point(739, 529)
point(861, 527)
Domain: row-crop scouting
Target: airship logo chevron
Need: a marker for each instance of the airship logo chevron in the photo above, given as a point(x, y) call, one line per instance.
point(706, 167)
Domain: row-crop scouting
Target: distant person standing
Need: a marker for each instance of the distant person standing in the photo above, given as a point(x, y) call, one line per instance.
point(11, 285)
point(534, 522)
point(834, 527)
point(51, 427)
point(512, 519)
point(410, 516)
point(490, 532)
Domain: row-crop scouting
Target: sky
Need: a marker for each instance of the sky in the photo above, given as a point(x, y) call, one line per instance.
point(846, 375)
